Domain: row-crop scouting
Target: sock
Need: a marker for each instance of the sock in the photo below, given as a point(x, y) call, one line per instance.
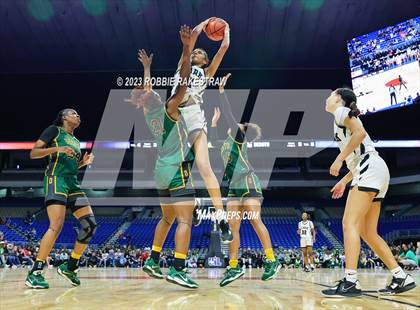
point(351, 275)
point(233, 263)
point(156, 253)
point(269, 254)
point(73, 261)
point(398, 273)
point(179, 262)
point(38, 266)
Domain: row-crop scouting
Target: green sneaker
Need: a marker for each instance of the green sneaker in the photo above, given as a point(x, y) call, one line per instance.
point(271, 268)
point(36, 280)
point(152, 269)
point(231, 274)
point(180, 278)
point(70, 276)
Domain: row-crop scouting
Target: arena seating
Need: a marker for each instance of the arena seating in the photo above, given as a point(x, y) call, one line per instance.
point(106, 227)
point(283, 234)
point(140, 232)
point(385, 226)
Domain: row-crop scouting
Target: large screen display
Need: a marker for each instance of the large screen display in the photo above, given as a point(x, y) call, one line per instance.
point(385, 66)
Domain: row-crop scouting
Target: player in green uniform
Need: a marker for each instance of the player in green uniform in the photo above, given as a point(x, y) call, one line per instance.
point(62, 189)
point(173, 166)
point(245, 192)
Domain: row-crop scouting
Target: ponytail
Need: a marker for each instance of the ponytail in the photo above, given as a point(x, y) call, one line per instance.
point(59, 119)
point(350, 101)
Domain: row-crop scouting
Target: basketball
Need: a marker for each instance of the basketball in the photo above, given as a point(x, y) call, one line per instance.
point(215, 29)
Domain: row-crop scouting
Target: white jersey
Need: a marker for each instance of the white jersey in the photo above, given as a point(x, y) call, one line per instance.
point(342, 136)
point(370, 172)
point(198, 84)
point(306, 229)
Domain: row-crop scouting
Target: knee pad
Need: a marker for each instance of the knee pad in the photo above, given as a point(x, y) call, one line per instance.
point(88, 229)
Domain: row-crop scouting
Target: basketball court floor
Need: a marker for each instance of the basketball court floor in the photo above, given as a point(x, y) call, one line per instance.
point(132, 289)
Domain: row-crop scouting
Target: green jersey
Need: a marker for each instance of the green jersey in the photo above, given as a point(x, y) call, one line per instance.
point(235, 159)
point(171, 138)
point(59, 164)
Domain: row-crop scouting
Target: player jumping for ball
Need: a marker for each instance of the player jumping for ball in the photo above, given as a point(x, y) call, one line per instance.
point(173, 166)
point(306, 231)
point(370, 179)
point(245, 193)
point(194, 119)
point(62, 189)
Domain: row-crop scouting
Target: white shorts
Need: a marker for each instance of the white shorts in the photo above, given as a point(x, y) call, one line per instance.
point(372, 175)
point(304, 242)
point(193, 117)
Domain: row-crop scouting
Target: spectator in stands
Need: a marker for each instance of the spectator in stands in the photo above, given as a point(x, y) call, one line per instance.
point(93, 260)
point(2, 250)
point(192, 262)
point(408, 259)
point(25, 257)
point(103, 260)
point(12, 259)
point(111, 257)
point(121, 261)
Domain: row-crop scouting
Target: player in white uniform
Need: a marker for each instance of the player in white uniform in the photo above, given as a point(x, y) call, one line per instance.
point(370, 178)
point(195, 122)
point(306, 230)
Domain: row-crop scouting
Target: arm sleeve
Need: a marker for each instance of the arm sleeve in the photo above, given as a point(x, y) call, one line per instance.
point(340, 115)
point(49, 134)
point(312, 225)
point(230, 119)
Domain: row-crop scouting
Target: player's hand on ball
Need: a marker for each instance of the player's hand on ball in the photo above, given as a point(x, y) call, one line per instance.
point(223, 82)
point(338, 190)
point(335, 167)
point(216, 117)
point(144, 59)
point(185, 34)
point(203, 24)
point(67, 150)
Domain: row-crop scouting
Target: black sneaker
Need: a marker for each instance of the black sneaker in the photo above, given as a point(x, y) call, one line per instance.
point(343, 288)
point(399, 285)
point(227, 236)
point(306, 269)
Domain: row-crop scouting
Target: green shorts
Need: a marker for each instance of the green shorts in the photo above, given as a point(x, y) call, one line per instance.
point(246, 187)
point(64, 190)
point(174, 183)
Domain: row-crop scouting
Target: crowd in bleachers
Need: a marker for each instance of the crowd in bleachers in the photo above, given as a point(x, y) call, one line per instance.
point(386, 48)
point(14, 256)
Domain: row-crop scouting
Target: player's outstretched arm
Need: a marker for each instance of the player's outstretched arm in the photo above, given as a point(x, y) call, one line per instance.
point(239, 135)
point(184, 73)
point(194, 36)
point(213, 135)
point(217, 59)
point(146, 61)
